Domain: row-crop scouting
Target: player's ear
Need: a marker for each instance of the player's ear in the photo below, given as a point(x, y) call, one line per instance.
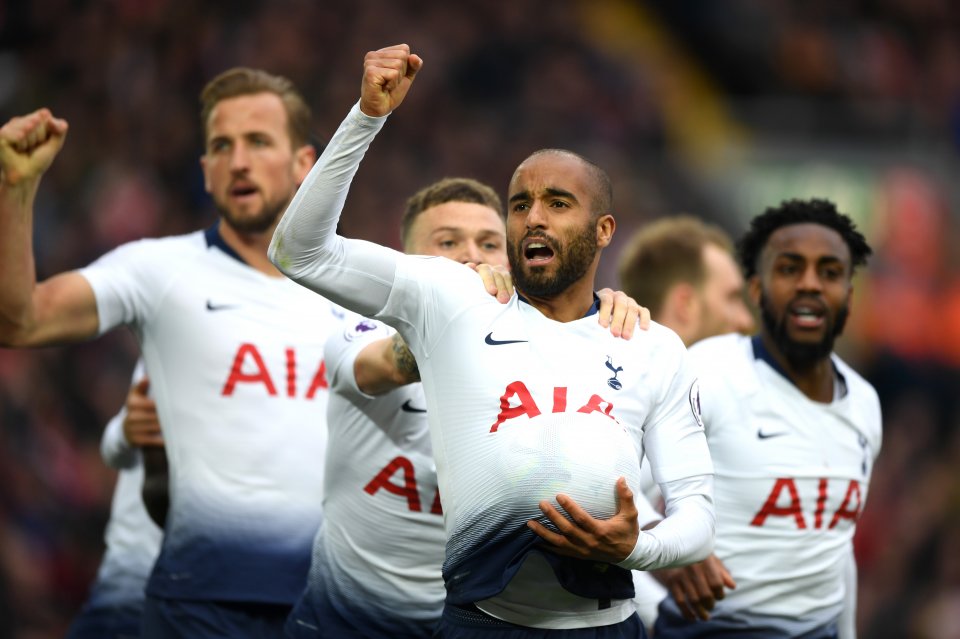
point(303, 160)
point(606, 226)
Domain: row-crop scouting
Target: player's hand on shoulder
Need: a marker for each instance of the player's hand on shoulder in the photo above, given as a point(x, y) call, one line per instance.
point(610, 540)
point(697, 588)
point(28, 145)
point(621, 313)
point(387, 76)
point(496, 279)
point(141, 425)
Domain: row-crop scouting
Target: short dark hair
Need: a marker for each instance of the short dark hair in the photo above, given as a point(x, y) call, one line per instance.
point(455, 189)
point(240, 81)
point(666, 252)
point(813, 211)
point(602, 186)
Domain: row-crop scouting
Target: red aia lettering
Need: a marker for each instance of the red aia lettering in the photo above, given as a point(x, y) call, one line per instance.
point(849, 508)
point(249, 356)
point(237, 375)
point(844, 511)
point(526, 407)
point(771, 508)
point(407, 490)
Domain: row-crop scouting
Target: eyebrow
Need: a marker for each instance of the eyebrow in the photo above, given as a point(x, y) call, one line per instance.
point(550, 190)
point(825, 259)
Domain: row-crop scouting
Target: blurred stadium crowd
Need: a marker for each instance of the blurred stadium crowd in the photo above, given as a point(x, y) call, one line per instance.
point(716, 109)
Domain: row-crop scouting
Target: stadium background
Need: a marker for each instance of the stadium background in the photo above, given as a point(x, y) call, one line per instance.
point(712, 108)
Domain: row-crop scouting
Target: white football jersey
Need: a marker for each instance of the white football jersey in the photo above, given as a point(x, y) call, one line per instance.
point(520, 408)
point(791, 478)
point(236, 368)
point(378, 554)
point(132, 539)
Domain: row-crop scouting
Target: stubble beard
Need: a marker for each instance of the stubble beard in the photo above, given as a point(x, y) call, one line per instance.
point(573, 265)
point(802, 356)
point(253, 224)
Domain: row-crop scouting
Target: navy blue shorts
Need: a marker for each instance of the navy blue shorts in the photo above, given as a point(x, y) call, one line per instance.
point(671, 625)
point(316, 617)
point(107, 622)
point(469, 622)
point(180, 619)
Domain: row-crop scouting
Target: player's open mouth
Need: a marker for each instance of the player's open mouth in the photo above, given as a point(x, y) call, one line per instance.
point(242, 191)
point(807, 314)
point(537, 251)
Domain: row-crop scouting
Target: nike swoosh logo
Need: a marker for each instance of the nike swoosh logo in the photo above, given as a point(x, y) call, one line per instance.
point(500, 342)
point(410, 408)
point(219, 307)
point(763, 435)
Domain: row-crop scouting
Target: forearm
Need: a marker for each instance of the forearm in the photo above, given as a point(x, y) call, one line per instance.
point(305, 246)
point(16, 258)
point(385, 365)
point(685, 535)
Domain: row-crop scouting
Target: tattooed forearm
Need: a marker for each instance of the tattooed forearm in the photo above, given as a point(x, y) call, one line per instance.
point(406, 364)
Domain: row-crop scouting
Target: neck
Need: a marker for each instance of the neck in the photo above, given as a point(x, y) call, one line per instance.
point(815, 381)
point(568, 306)
point(252, 247)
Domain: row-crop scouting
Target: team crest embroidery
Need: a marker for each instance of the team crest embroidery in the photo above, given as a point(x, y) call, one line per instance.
point(613, 382)
point(363, 326)
point(695, 402)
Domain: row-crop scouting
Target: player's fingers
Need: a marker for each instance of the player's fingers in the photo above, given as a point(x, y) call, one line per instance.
point(677, 591)
point(624, 315)
point(704, 592)
point(693, 600)
point(644, 318)
point(725, 577)
point(566, 528)
point(504, 286)
point(605, 296)
point(546, 534)
point(577, 514)
point(414, 64)
point(142, 386)
point(625, 504)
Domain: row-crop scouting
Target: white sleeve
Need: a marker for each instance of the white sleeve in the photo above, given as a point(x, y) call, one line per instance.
point(685, 535)
point(356, 274)
point(847, 623)
point(114, 447)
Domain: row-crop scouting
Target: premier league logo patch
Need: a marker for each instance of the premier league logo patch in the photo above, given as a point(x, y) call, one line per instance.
point(695, 402)
point(363, 326)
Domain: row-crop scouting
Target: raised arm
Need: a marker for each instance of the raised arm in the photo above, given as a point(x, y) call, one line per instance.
point(63, 308)
point(305, 247)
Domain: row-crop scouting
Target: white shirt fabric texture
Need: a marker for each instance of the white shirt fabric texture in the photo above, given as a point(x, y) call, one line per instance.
point(791, 481)
point(378, 554)
point(236, 368)
point(520, 408)
point(132, 539)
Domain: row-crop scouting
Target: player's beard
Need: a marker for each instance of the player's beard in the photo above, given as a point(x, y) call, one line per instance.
point(802, 356)
point(257, 223)
point(573, 263)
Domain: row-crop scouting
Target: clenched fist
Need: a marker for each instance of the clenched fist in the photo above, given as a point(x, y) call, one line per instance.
point(28, 145)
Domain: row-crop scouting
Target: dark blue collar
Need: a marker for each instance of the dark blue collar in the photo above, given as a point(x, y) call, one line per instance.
point(760, 352)
point(593, 310)
point(214, 238)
